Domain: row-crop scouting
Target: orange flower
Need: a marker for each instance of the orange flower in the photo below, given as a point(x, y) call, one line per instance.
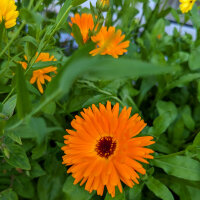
point(103, 150)
point(109, 42)
point(85, 23)
point(40, 75)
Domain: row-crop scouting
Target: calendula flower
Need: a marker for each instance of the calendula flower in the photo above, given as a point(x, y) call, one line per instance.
point(8, 13)
point(85, 23)
point(102, 150)
point(109, 42)
point(186, 5)
point(41, 75)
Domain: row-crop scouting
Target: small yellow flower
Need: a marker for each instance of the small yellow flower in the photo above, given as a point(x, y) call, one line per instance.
point(186, 5)
point(8, 13)
point(40, 75)
point(109, 42)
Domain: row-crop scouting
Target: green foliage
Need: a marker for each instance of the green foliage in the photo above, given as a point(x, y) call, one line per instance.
point(159, 77)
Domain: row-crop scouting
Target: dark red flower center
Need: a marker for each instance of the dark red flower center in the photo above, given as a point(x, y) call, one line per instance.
point(105, 146)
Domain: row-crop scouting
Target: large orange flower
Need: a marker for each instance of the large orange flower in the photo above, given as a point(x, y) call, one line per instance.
point(40, 75)
point(109, 42)
point(102, 150)
point(8, 12)
point(85, 23)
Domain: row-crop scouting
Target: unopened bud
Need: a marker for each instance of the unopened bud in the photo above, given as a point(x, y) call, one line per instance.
point(103, 4)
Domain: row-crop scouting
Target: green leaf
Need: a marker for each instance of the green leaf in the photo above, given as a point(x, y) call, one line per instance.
point(29, 39)
point(23, 186)
point(159, 189)
point(9, 106)
point(22, 94)
point(35, 128)
point(135, 192)
point(14, 137)
point(196, 141)
point(63, 14)
point(18, 157)
point(159, 28)
point(8, 194)
point(179, 166)
point(184, 79)
point(74, 192)
point(195, 16)
point(36, 170)
point(194, 59)
point(50, 108)
point(99, 67)
point(49, 187)
point(77, 34)
point(187, 118)
point(77, 2)
point(118, 195)
point(39, 151)
point(167, 107)
point(30, 17)
point(41, 64)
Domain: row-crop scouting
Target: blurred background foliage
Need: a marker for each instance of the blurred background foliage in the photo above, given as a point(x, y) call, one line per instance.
point(159, 77)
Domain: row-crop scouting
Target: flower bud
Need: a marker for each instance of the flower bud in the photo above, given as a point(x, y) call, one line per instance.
point(103, 4)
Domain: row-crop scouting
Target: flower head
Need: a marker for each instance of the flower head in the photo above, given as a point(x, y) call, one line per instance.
point(40, 75)
point(8, 13)
point(102, 150)
point(109, 42)
point(85, 23)
point(186, 5)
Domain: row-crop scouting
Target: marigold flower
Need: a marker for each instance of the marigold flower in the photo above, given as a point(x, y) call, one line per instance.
point(109, 42)
point(103, 150)
point(85, 23)
point(40, 75)
point(8, 13)
point(186, 5)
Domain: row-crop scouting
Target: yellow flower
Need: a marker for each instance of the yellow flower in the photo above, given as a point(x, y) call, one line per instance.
point(103, 150)
point(8, 13)
point(109, 42)
point(40, 75)
point(186, 5)
point(85, 23)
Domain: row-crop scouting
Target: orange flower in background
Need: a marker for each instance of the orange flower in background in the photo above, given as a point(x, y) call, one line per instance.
point(85, 23)
point(102, 150)
point(109, 42)
point(40, 75)
point(8, 13)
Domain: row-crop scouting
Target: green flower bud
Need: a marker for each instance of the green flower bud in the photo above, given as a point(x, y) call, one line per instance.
point(103, 4)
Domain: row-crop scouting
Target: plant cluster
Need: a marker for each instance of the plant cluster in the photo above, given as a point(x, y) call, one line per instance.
point(99, 102)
